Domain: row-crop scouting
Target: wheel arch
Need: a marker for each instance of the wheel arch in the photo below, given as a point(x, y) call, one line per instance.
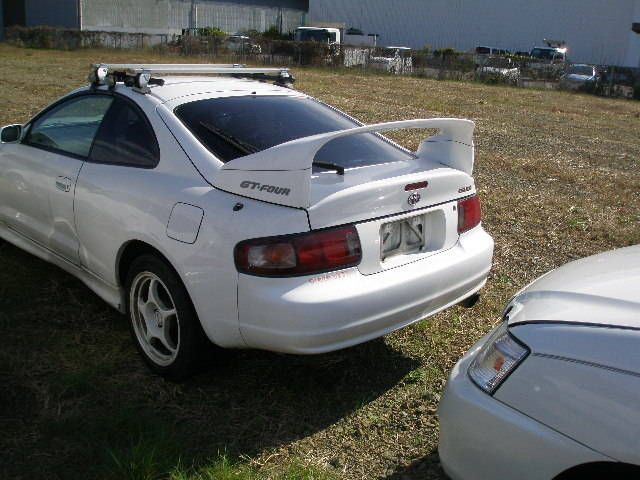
point(130, 251)
point(599, 470)
point(126, 256)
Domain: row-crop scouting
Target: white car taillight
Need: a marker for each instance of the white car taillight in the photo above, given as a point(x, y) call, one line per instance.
point(469, 213)
point(300, 254)
point(497, 358)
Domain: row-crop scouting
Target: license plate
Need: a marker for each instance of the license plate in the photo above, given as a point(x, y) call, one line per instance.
point(402, 236)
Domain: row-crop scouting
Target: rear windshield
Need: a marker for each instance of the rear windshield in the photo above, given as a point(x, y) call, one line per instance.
point(237, 126)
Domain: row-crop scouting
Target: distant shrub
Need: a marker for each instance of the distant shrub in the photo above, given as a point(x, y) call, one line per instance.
point(272, 33)
point(44, 37)
point(446, 53)
point(211, 32)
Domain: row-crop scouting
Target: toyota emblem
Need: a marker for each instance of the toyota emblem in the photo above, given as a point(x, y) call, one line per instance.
point(413, 199)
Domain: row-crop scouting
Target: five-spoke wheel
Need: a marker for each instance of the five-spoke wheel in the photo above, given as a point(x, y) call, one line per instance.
point(155, 318)
point(163, 321)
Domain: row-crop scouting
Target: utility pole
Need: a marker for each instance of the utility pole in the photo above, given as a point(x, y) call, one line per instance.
point(635, 27)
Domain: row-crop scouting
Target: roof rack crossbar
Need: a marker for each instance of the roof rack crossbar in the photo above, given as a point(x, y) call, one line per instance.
point(138, 75)
point(189, 68)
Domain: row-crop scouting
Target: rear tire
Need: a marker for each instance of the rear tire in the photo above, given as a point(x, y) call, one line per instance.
point(163, 323)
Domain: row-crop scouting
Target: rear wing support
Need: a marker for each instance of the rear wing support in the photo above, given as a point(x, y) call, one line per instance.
point(259, 175)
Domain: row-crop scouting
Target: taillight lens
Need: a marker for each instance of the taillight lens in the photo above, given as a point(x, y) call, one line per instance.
point(469, 214)
point(299, 254)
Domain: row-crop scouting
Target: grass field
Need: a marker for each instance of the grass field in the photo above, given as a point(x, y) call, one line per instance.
point(559, 178)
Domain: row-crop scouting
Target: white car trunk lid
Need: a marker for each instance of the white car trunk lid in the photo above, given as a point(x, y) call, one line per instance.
point(403, 210)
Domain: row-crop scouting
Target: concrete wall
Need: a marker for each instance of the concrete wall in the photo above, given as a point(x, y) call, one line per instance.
point(596, 31)
point(171, 16)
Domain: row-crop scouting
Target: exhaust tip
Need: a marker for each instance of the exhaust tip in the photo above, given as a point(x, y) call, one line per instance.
point(470, 302)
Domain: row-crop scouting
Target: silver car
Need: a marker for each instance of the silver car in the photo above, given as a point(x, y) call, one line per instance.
point(579, 77)
point(552, 392)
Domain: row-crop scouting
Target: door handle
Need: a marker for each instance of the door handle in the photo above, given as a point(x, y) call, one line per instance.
point(63, 184)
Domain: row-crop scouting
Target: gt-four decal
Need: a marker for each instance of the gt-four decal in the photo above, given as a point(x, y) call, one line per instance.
point(265, 188)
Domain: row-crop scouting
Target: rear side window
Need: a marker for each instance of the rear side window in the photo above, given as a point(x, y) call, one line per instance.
point(125, 138)
point(238, 126)
point(71, 126)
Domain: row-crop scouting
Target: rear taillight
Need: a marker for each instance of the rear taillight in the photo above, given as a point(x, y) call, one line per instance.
point(469, 214)
point(299, 254)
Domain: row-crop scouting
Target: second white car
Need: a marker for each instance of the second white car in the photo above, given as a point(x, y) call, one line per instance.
point(552, 392)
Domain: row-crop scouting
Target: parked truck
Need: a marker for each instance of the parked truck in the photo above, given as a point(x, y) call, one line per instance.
point(335, 36)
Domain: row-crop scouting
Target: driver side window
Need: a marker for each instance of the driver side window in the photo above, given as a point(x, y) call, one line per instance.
point(71, 126)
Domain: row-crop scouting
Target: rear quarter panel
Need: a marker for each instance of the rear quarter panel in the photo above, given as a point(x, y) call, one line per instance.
point(115, 205)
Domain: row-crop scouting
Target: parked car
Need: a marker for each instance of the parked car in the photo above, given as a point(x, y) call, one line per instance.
point(619, 82)
point(242, 44)
point(392, 59)
point(243, 212)
point(552, 392)
point(580, 77)
point(546, 63)
point(500, 70)
point(483, 53)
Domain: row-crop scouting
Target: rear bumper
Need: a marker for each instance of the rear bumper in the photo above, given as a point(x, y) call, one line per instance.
point(326, 312)
point(481, 437)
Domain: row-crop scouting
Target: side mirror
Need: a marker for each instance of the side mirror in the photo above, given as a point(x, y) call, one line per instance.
point(10, 133)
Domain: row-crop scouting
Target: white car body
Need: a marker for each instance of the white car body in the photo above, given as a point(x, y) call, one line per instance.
point(499, 68)
point(193, 210)
point(571, 405)
point(579, 76)
point(393, 60)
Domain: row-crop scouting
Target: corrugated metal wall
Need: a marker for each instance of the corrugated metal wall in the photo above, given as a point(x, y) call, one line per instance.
point(171, 16)
point(596, 31)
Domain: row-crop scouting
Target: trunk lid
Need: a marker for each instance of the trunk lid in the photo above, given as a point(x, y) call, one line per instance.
point(383, 190)
point(404, 211)
point(396, 226)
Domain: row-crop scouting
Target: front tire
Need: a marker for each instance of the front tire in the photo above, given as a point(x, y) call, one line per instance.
point(162, 320)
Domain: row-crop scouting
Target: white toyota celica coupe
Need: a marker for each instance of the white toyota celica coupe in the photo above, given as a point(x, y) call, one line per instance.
point(242, 211)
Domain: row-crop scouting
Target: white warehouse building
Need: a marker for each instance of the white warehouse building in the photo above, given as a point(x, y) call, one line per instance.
point(595, 31)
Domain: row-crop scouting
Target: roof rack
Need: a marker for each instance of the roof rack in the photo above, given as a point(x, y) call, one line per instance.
point(138, 75)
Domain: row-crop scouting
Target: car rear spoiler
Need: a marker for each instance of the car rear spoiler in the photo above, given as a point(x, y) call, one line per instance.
point(261, 175)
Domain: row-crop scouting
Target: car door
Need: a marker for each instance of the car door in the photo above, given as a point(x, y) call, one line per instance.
point(39, 174)
point(119, 188)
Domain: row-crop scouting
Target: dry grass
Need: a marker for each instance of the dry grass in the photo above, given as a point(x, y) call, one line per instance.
point(559, 179)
